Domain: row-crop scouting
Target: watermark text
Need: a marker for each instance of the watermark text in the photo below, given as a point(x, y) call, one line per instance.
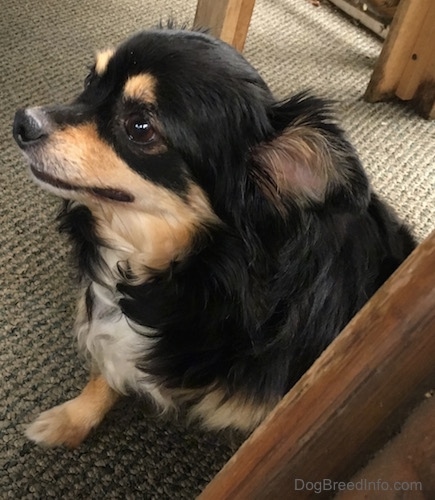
point(361, 485)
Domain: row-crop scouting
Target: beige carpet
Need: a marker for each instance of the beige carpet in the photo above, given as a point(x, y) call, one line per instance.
point(44, 50)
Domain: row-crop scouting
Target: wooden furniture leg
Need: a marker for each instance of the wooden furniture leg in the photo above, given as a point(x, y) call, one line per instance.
point(406, 66)
point(350, 401)
point(227, 19)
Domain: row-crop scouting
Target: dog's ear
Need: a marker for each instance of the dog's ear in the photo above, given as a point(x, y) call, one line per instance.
point(308, 160)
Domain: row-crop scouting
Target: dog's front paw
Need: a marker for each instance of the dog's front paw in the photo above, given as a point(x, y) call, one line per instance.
point(62, 425)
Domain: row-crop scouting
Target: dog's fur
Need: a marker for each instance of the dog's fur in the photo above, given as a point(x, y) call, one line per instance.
point(223, 238)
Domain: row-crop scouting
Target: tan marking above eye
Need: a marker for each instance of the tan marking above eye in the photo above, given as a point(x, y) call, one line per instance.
point(141, 88)
point(102, 60)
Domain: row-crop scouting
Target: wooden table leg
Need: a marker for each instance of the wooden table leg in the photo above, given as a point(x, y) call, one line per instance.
point(227, 19)
point(406, 66)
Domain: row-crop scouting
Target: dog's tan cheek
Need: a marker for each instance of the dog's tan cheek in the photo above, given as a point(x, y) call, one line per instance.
point(88, 161)
point(157, 227)
point(157, 235)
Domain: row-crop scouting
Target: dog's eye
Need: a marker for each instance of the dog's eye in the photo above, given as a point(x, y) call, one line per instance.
point(139, 129)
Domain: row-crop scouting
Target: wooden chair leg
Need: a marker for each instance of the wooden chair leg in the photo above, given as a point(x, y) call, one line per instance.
point(227, 19)
point(406, 66)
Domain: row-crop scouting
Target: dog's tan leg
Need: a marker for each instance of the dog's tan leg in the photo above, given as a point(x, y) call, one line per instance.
point(68, 424)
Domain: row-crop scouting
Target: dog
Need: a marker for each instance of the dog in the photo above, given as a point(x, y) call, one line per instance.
point(223, 237)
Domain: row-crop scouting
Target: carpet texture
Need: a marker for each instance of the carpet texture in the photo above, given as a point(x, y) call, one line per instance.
point(44, 50)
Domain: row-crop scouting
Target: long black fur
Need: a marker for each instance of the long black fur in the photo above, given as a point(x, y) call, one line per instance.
point(262, 293)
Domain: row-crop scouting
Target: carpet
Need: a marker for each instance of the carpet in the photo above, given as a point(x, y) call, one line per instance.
point(45, 48)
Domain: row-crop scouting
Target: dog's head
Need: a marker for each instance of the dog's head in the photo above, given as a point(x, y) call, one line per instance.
point(176, 124)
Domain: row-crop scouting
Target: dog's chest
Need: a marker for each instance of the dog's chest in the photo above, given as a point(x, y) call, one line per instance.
point(113, 343)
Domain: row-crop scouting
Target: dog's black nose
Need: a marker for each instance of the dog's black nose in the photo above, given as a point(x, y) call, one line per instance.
point(29, 127)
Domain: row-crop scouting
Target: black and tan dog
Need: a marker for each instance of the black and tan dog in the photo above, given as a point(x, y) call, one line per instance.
point(224, 238)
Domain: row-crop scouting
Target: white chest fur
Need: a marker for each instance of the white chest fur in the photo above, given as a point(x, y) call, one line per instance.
point(136, 239)
point(112, 343)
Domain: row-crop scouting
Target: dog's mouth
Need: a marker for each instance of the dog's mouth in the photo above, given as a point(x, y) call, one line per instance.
point(109, 193)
